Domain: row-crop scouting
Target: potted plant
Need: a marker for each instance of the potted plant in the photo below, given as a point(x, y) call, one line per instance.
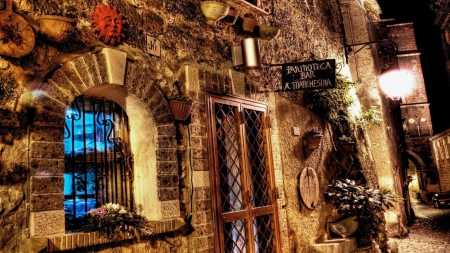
point(367, 205)
point(115, 222)
point(347, 143)
point(181, 106)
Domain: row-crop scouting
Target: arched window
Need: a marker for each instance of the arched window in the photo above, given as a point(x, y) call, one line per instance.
point(98, 160)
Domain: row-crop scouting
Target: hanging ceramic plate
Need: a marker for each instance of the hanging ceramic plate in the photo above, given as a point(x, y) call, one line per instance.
point(309, 187)
point(16, 35)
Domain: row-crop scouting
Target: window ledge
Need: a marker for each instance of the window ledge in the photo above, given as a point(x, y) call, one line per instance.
point(79, 240)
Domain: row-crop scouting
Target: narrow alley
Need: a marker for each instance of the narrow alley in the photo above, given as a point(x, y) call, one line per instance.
point(430, 232)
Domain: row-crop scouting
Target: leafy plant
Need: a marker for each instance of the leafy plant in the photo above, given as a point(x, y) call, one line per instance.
point(345, 139)
point(368, 205)
point(113, 220)
point(368, 118)
point(332, 104)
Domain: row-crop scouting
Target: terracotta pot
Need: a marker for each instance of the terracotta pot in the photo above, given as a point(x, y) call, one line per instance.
point(348, 146)
point(231, 17)
point(249, 24)
point(56, 28)
point(181, 109)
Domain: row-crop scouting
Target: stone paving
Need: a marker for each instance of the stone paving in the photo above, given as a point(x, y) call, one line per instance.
point(430, 232)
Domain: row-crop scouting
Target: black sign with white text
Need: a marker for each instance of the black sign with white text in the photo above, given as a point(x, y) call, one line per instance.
point(308, 75)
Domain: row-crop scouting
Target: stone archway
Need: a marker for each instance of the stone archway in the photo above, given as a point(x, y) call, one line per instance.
point(416, 165)
point(152, 135)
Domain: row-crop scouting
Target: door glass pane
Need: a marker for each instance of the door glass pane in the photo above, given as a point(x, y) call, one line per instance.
point(235, 237)
point(264, 234)
point(257, 155)
point(227, 135)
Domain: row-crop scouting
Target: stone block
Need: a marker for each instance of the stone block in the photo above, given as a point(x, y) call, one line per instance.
point(115, 62)
point(200, 164)
point(91, 63)
point(165, 194)
point(167, 167)
point(47, 223)
point(49, 150)
point(203, 193)
point(167, 130)
point(40, 185)
point(204, 229)
point(50, 117)
point(47, 167)
point(198, 130)
point(47, 133)
point(83, 73)
point(166, 154)
point(203, 205)
point(164, 119)
point(199, 153)
point(77, 83)
point(170, 209)
point(201, 179)
point(167, 180)
point(167, 141)
point(46, 202)
point(203, 217)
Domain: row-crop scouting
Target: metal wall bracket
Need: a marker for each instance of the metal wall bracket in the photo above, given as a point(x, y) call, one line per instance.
point(388, 48)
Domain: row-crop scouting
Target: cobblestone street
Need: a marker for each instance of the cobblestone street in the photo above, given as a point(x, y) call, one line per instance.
point(430, 232)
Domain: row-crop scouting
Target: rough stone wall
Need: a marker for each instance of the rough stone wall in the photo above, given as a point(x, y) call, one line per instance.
point(309, 31)
point(440, 153)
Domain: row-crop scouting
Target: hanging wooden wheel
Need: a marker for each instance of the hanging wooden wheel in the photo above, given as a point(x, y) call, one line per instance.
point(16, 35)
point(309, 187)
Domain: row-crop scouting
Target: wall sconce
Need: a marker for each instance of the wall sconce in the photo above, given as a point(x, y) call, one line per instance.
point(246, 55)
point(213, 11)
point(251, 53)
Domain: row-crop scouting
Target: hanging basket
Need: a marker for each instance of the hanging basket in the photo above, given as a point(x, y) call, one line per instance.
point(181, 109)
point(348, 146)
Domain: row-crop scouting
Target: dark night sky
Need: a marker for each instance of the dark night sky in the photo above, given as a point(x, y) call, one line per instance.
point(432, 58)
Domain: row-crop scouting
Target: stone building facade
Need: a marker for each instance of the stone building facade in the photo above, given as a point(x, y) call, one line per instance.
point(439, 144)
point(167, 49)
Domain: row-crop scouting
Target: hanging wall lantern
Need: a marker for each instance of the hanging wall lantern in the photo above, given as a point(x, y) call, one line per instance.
point(251, 53)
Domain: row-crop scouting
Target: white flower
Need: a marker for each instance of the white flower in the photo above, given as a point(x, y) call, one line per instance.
point(115, 206)
point(122, 211)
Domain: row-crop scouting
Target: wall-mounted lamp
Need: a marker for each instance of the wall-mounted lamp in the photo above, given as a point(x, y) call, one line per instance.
point(251, 53)
point(247, 54)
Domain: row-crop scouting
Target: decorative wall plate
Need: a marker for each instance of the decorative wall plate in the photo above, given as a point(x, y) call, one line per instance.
point(16, 35)
point(309, 187)
point(108, 24)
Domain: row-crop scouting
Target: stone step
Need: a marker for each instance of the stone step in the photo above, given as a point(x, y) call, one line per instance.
point(344, 245)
